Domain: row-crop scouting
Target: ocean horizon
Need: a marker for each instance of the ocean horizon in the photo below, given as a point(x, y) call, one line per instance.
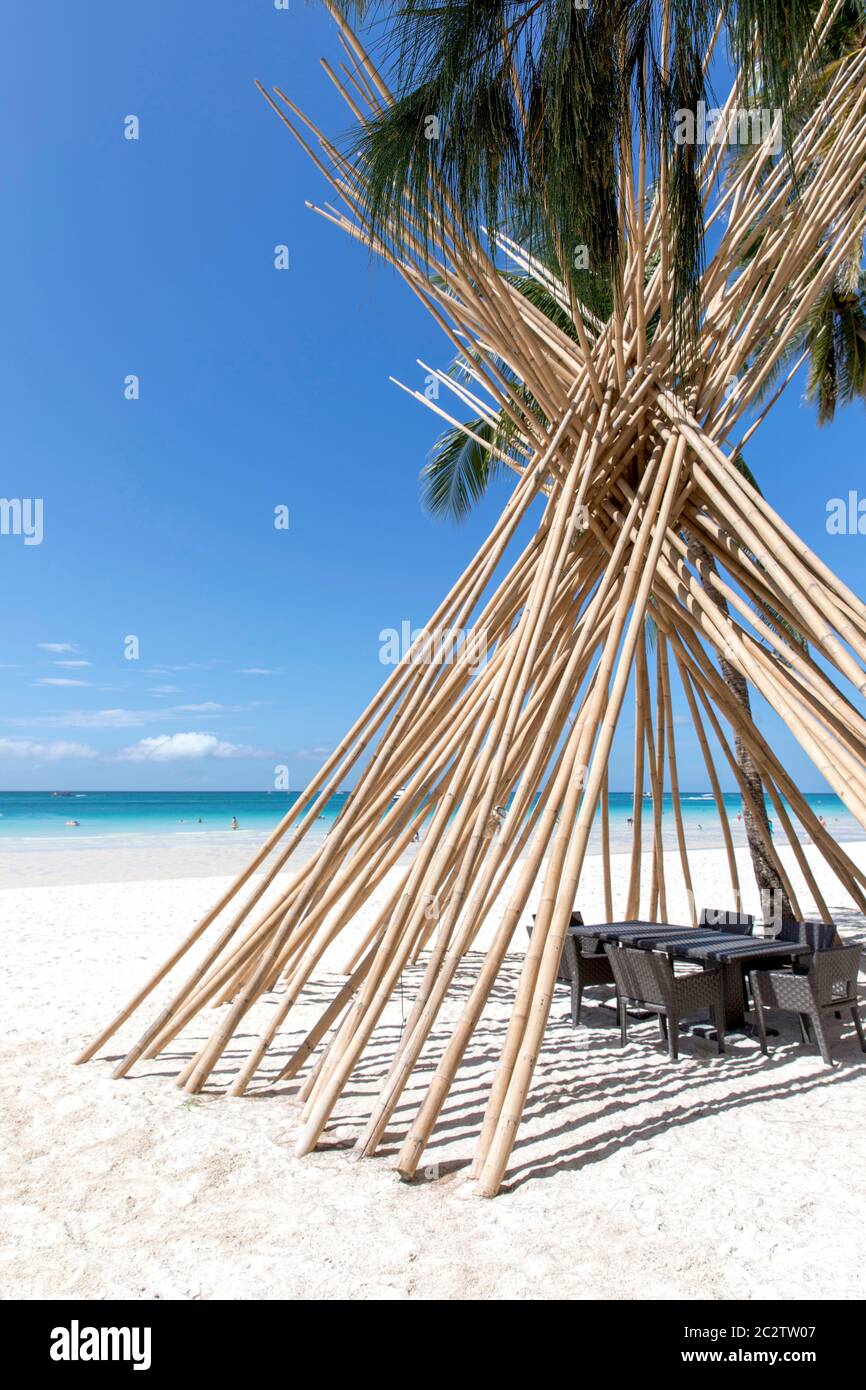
point(42, 819)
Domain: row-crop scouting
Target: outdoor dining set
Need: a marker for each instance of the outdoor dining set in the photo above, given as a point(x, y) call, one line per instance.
point(682, 973)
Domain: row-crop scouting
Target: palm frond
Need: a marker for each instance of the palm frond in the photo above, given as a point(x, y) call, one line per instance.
point(459, 470)
point(516, 107)
point(836, 338)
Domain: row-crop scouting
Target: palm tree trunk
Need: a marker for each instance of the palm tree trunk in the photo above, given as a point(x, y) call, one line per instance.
point(766, 876)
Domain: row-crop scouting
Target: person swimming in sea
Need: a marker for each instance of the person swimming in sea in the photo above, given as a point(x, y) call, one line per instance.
point(235, 825)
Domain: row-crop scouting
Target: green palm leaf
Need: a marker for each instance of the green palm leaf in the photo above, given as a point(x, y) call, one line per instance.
point(459, 470)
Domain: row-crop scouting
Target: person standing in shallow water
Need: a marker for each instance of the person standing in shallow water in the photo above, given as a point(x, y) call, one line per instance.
point(235, 825)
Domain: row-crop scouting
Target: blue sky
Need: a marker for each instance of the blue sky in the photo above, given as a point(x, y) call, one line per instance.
point(258, 388)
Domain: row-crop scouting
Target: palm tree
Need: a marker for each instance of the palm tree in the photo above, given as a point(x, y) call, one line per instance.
point(521, 103)
point(512, 112)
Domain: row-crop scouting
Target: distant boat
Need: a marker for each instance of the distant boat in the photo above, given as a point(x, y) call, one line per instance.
point(63, 793)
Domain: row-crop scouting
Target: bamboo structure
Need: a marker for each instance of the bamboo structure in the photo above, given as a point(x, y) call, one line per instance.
point(620, 456)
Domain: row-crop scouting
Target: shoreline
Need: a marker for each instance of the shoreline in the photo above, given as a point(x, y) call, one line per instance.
point(154, 856)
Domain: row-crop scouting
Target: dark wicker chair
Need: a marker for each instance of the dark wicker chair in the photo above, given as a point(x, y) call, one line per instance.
point(721, 919)
point(818, 936)
point(645, 980)
point(581, 967)
point(829, 986)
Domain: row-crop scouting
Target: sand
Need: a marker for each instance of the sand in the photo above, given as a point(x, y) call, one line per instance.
point(633, 1177)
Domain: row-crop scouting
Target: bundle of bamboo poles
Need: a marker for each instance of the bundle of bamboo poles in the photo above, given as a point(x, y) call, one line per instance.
point(625, 470)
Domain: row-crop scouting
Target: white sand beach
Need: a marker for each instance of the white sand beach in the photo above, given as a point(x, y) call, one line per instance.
point(632, 1177)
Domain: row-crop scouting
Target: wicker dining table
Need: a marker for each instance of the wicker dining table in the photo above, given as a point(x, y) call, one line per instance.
point(734, 953)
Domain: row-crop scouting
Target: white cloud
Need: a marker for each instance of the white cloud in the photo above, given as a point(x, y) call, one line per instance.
point(101, 718)
point(44, 752)
point(126, 718)
point(73, 663)
point(164, 690)
point(57, 647)
point(169, 748)
point(257, 671)
point(59, 680)
point(118, 718)
point(313, 752)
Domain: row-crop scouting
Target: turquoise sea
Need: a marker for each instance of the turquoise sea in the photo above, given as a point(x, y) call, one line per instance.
point(42, 816)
